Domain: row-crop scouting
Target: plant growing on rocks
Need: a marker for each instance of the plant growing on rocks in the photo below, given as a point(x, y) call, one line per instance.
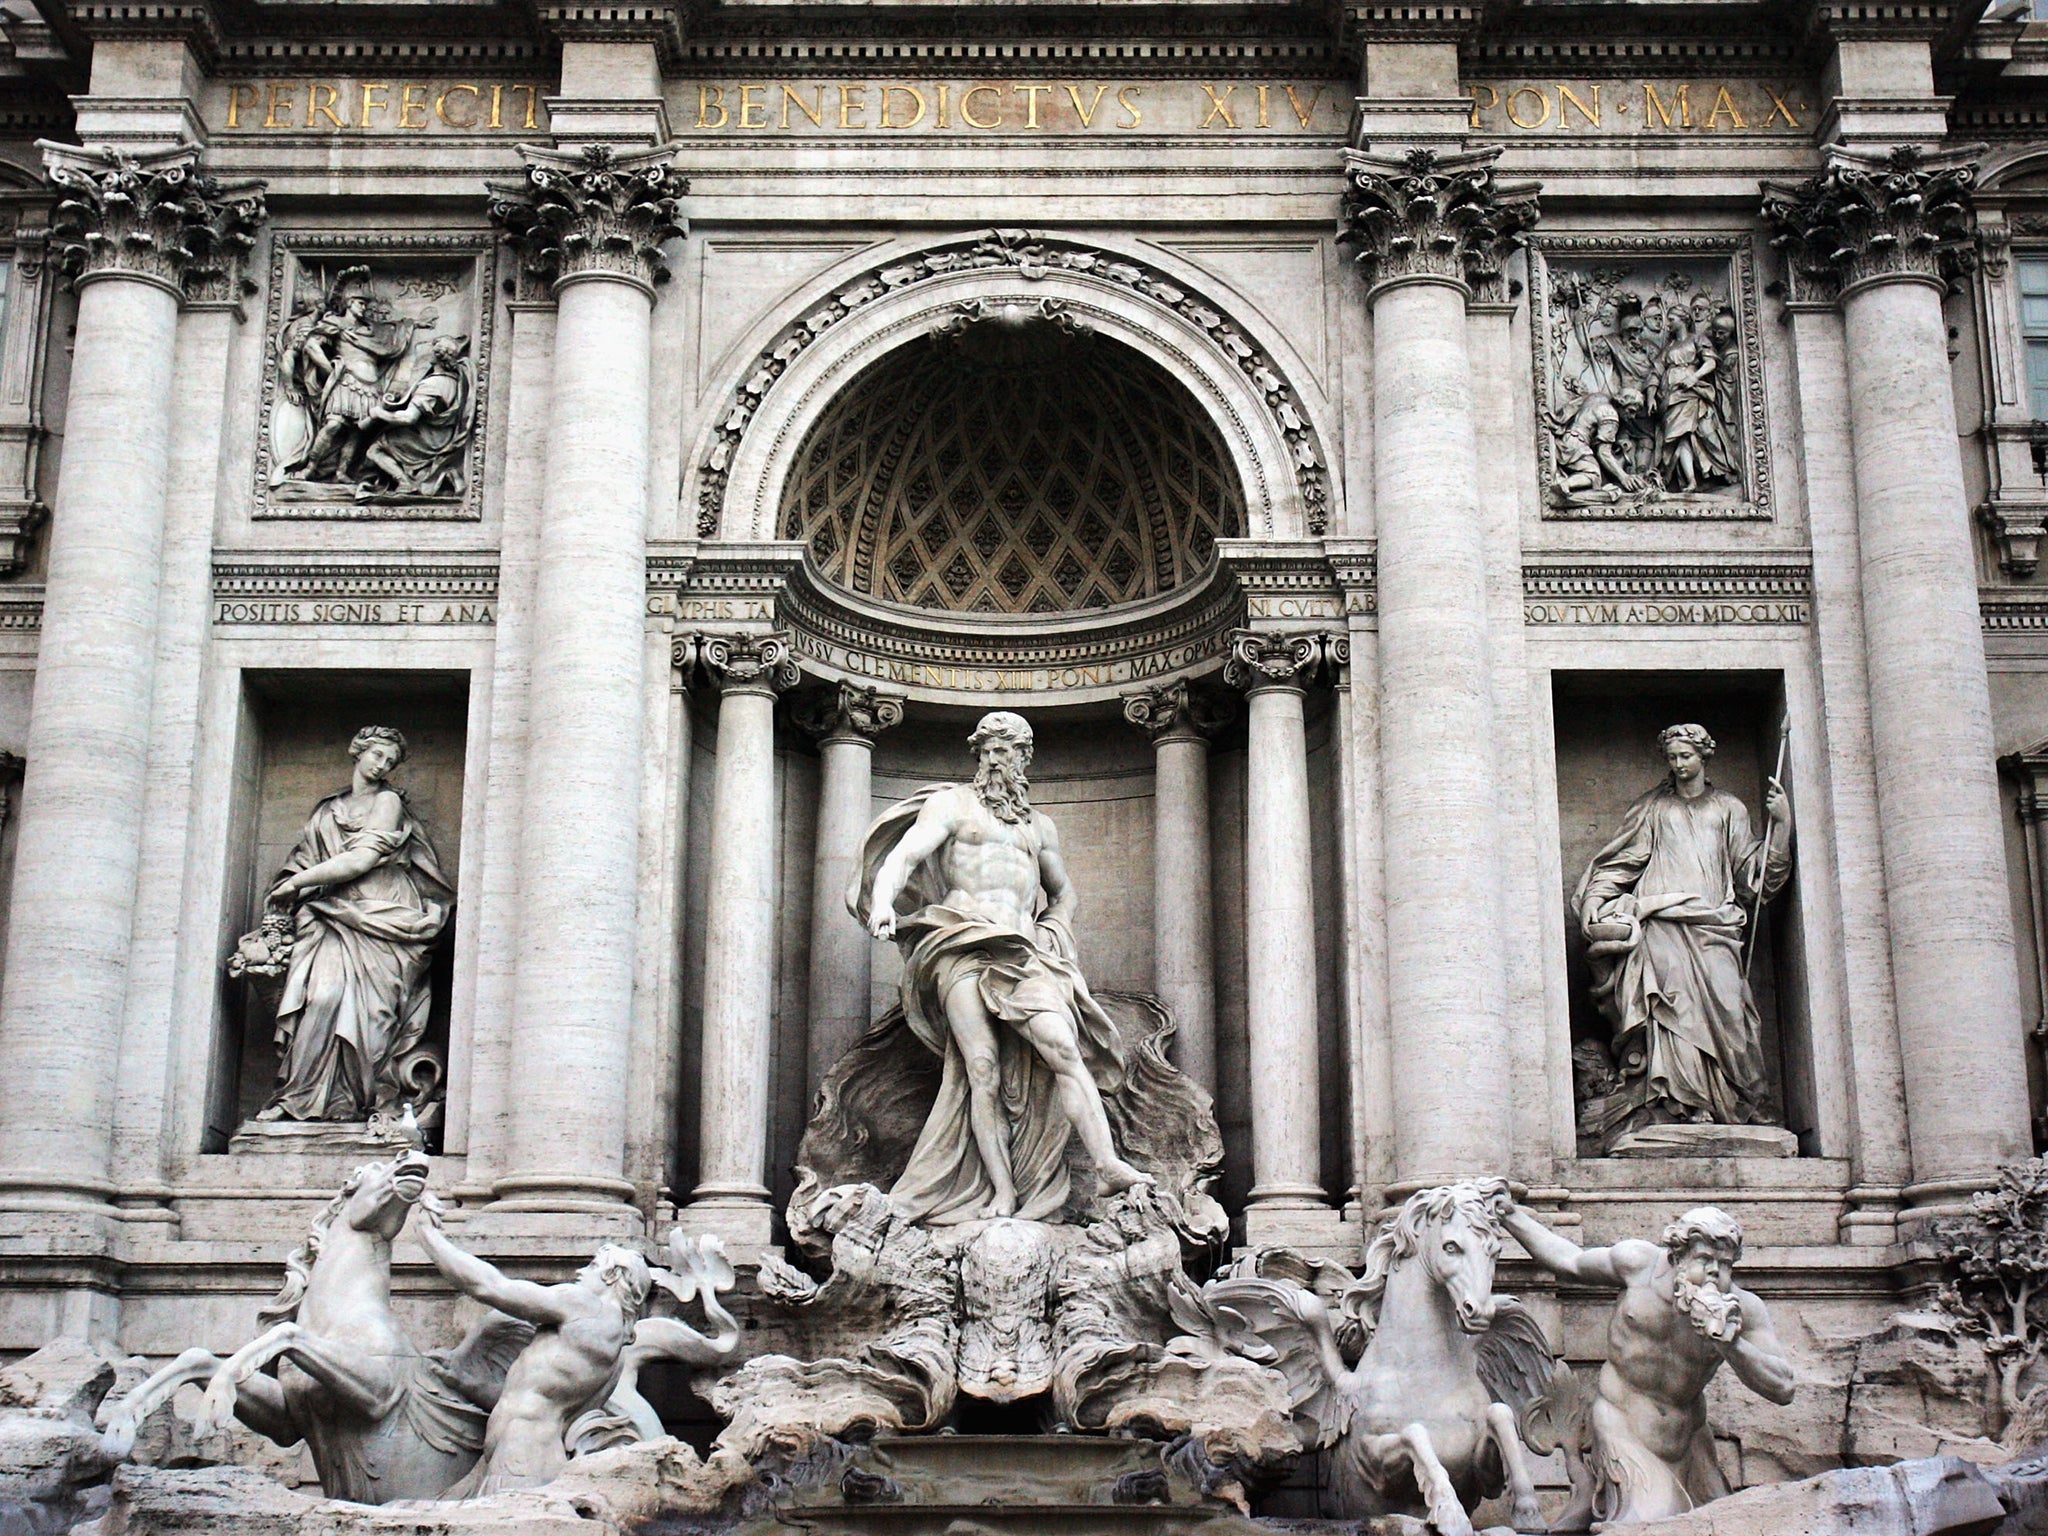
point(1994, 1276)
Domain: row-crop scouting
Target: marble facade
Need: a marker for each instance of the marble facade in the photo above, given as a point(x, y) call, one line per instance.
point(1219, 391)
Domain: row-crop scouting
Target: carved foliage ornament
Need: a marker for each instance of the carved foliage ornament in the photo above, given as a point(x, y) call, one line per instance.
point(1428, 215)
point(738, 661)
point(1032, 257)
point(152, 215)
point(1174, 709)
point(1259, 659)
point(592, 211)
point(1905, 214)
point(849, 710)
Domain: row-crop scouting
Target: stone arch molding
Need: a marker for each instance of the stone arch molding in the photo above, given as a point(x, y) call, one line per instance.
point(744, 458)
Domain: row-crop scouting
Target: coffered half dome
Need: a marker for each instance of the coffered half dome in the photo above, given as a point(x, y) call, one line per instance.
point(1014, 466)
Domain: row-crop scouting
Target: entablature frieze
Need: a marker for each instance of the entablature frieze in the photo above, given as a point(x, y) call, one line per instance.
point(356, 589)
point(1668, 590)
point(716, 588)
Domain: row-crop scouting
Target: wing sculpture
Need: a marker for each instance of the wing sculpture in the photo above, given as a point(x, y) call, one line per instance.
point(1295, 1325)
point(1515, 1361)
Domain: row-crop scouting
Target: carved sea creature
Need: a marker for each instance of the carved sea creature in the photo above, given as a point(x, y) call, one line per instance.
point(1427, 1421)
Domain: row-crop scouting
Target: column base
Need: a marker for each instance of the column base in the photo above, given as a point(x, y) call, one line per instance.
point(1313, 1228)
point(1871, 1218)
point(744, 1223)
point(34, 1192)
point(582, 1193)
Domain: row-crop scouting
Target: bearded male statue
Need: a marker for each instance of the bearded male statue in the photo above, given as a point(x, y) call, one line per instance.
point(969, 882)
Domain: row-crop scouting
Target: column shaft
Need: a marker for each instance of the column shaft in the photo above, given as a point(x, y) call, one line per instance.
point(572, 1008)
point(1280, 954)
point(1944, 859)
point(841, 951)
point(74, 886)
point(1446, 972)
point(739, 965)
point(1183, 919)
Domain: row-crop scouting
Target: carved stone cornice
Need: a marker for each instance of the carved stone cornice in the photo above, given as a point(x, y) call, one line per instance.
point(1175, 712)
point(1904, 216)
point(739, 663)
point(658, 25)
point(592, 211)
point(152, 216)
point(847, 712)
point(1268, 659)
point(1428, 217)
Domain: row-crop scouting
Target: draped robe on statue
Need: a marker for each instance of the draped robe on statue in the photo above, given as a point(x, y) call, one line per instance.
point(1017, 975)
point(356, 994)
point(1688, 1041)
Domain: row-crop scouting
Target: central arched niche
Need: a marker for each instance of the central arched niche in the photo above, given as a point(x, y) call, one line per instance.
point(1012, 465)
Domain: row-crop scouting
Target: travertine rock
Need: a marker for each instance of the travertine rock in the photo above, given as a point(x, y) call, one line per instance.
point(1940, 1496)
point(602, 1495)
point(50, 1453)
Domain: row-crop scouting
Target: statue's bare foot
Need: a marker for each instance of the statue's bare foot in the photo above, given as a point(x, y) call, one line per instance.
point(1003, 1204)
point(1116, 1176)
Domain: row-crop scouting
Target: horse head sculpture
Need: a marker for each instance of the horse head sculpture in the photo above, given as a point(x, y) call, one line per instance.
point(1427, 1420)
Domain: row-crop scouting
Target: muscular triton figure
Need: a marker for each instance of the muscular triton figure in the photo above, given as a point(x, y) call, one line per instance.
point(1680, 1316)
point(968, 880)
point(582, 1331)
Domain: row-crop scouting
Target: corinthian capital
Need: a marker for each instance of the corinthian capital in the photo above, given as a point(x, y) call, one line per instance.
point(1425, 215)
point(592, 210)
point(1869, 218)
point(739, 661)
point(1170, 710)
point(849, 710)
point(1262, 659)
point(153, 216)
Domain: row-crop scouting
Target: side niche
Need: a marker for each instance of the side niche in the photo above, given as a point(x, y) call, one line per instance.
point(336, 945)
point(1682, 921)
point(376, 377)
point(1649, 378)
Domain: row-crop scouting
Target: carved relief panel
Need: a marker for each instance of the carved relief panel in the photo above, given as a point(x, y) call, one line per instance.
point(377, 378)
point(1649, 378)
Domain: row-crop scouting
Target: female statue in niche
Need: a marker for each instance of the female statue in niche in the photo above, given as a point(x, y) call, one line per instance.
point(1666, 907)
point(365, 901)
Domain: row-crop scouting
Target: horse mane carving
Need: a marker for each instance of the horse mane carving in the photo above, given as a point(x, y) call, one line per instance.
point(1401, 1238)
point(298, 1264)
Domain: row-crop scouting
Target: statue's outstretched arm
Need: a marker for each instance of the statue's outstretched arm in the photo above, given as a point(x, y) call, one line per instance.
point(537, 1304)
point(1561, 1255)
point(1756, 1356)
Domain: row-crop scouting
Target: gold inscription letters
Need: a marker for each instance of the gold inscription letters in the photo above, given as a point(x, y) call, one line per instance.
point(381, 106)
point(881, 108)
point(1678, 107)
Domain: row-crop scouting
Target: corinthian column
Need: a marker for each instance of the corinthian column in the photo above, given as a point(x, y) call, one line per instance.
point(591, 226)
point(1280, 929)
point(1429, 229)
point(130, 232)
point(739, 941)
point(846, 720)
point(1883, 234)
point(1183, 921)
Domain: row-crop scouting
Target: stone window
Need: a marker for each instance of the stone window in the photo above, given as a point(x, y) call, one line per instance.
point(2034, 326)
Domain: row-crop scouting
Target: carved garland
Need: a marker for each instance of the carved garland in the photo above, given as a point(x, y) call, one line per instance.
point(1032, 257)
